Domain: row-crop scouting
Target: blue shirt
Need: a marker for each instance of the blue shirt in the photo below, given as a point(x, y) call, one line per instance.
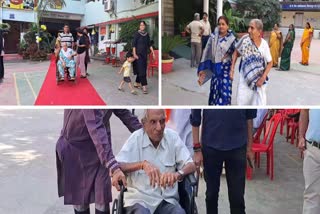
point(223, 129)
point(313, 132)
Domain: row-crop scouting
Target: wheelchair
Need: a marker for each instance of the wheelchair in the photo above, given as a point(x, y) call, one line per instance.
point(66, 72)
point(187, 192)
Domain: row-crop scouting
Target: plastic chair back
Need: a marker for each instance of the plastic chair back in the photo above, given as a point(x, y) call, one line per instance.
point(256, 137)
point(271, 130)
point(154, 62)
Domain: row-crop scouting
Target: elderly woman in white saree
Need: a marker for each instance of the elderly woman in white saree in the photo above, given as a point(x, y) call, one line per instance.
point(255, 65)
point(216, 63)
point(66, 61)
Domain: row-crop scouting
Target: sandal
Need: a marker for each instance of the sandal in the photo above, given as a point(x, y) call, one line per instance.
point(121, 89)
point(134, 92)
point(145, 91)
point(136, 85)
point(83, 76)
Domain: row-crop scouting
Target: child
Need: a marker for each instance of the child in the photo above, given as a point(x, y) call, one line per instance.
point(127, 70)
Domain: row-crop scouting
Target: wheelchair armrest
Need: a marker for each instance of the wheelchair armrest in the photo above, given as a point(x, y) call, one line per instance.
point(191, 179)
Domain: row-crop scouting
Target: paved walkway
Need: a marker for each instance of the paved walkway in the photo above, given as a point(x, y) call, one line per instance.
point(24, 79)
point(299, 86)
point(28, 172)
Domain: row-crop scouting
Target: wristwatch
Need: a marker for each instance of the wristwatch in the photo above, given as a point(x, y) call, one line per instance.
point(181, 175)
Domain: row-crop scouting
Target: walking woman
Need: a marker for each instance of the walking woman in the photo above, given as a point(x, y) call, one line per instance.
point(85, 159)
point(1, 55)
point(216, 63)
point(305, 44)
point(81, 51)
point(275, 44)
point(287, 48)
point(255, 65)
point(88, 44)
point(141, 44)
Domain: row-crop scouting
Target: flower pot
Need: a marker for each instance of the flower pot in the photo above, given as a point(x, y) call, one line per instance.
point(183, 34)
point(108, 59)
point(114, 60)
point(167, 65)
point(113, 50)
point(108, 50)
point(123, 55)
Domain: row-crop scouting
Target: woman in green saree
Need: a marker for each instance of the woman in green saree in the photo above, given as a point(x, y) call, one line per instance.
point(287, 48)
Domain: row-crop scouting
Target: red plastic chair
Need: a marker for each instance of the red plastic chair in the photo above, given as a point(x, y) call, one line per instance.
point(153, 63)
point(266, 146)
point(262, 128)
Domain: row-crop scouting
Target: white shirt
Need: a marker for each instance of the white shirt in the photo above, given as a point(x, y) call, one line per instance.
point(206, 27)
point(261, 113)
point(195, 28)
point(265, 50)
point(180, 122)
point(170, 156)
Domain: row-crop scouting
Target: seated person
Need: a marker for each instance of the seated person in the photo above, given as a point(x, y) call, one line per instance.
point(154, 160)
point(66, 61)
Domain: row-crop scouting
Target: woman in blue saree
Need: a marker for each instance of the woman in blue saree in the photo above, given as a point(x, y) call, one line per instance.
point(216, 63)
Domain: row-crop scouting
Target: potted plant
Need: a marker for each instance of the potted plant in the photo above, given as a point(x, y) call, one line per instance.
point(168, 44)
point(236, 23)
point(182, 28)
point(126, 34)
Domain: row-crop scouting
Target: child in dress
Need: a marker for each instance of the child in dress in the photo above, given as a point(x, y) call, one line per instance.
point(127, 70)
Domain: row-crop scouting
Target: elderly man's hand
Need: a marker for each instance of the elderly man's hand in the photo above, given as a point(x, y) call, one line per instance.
point(168, 179)
point(153, 173)
point(118, 176)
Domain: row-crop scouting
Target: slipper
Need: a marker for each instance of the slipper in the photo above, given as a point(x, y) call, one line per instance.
point(134, 92)
point(121, 89)
point(83, 76)
point(145, 91)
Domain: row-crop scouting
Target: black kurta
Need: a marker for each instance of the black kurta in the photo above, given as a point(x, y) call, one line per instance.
point(142, 44)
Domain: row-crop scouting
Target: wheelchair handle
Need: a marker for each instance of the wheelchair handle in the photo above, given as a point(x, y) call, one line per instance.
point(122, 187)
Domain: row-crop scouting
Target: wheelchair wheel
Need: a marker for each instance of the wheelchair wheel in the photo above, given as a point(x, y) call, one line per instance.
point(115, 206)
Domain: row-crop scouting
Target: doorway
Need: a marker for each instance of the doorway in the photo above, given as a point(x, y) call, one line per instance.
point(12, 39)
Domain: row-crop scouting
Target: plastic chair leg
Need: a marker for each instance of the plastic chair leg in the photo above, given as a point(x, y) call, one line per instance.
point(249, 173)
point(272, 164)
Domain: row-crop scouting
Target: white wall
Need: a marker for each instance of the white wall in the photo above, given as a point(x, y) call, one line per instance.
point(72, 6)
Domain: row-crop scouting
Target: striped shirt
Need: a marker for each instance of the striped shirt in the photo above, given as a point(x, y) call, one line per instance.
point(66, 37)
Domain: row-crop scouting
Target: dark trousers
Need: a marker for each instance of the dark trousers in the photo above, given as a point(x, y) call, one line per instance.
point(235, 167)
point(142, 80)
point(164, 207)
point(204, 40)
point(1, 67)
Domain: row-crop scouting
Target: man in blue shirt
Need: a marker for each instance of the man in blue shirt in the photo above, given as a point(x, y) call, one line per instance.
point(226, 138)
point(309, 142)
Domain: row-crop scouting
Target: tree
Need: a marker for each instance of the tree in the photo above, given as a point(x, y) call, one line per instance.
point(42, 7)
point(266, 10)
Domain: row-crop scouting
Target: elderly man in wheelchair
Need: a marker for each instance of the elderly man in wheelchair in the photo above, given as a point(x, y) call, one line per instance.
point(154, 160)
point(66, 62)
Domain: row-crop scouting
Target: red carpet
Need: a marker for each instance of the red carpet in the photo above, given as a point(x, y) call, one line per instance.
point(67, 93)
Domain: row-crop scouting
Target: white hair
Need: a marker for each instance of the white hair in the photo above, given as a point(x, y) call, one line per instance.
point(258, 23)
point(145, 115)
